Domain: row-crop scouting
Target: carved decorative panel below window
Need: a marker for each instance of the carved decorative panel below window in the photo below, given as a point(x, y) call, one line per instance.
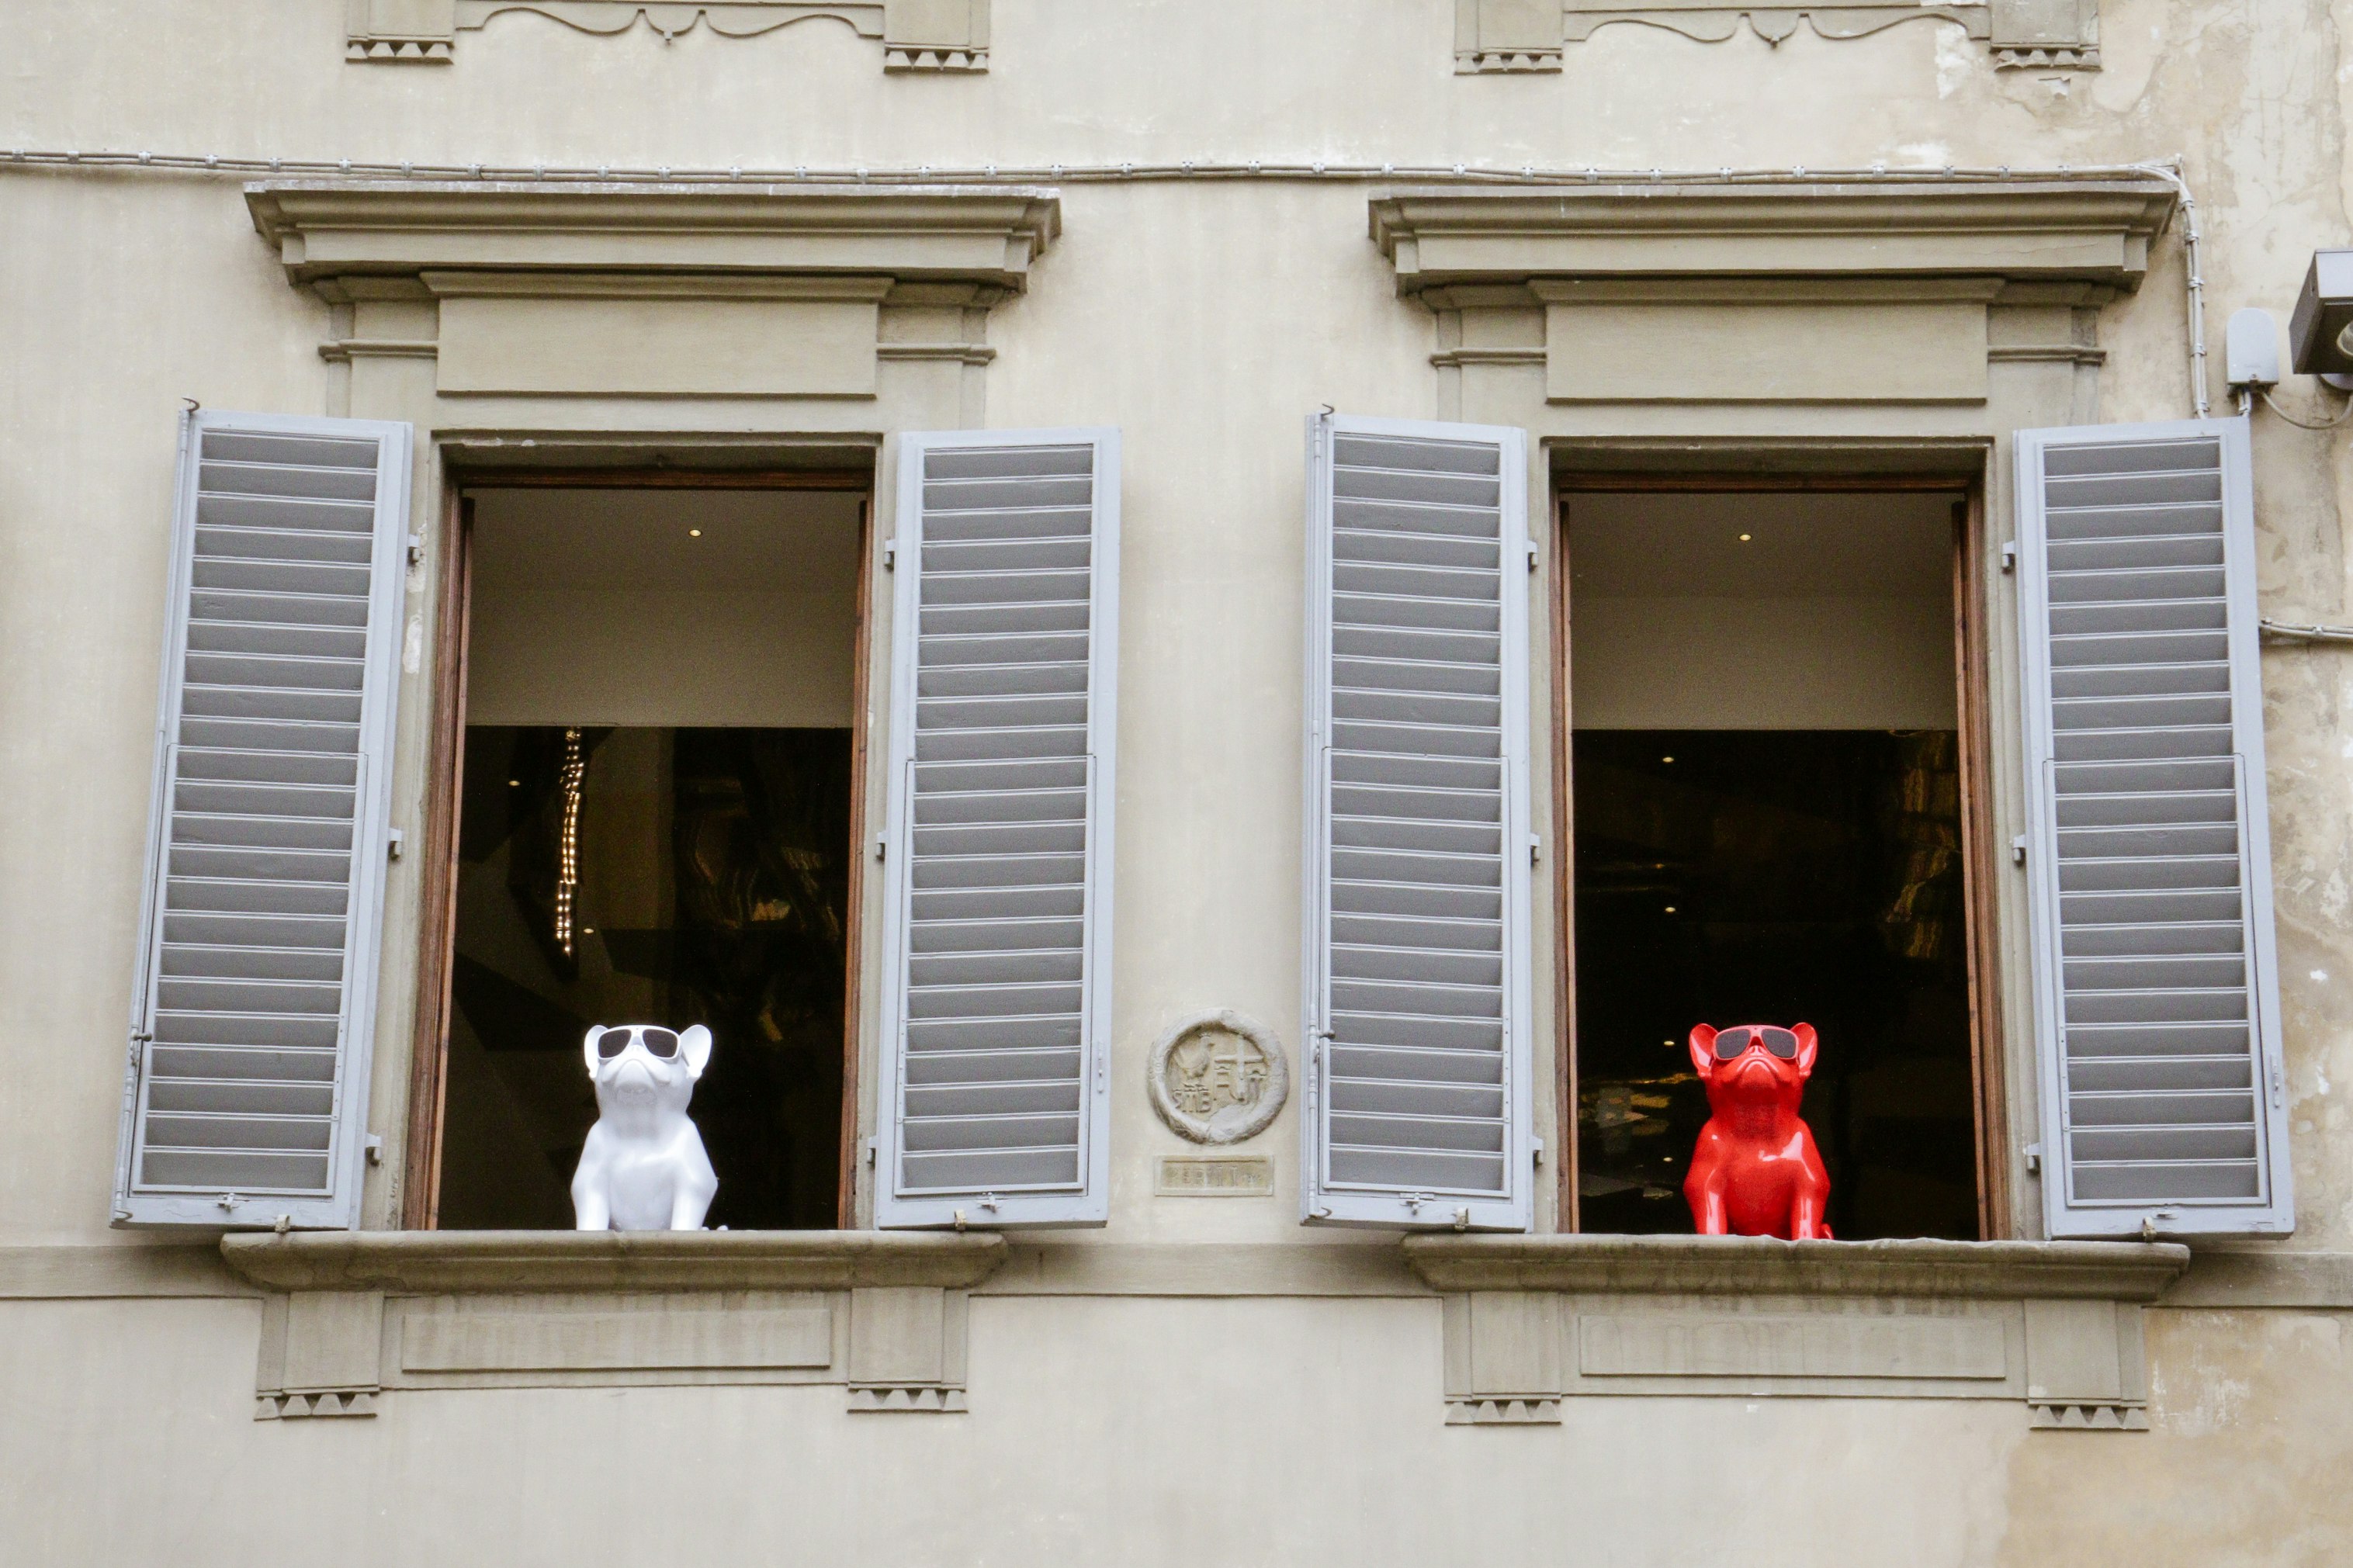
point(916, 34)
point(1529, 35)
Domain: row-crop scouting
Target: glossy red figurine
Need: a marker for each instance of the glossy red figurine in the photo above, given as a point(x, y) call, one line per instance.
point(1755, 1171)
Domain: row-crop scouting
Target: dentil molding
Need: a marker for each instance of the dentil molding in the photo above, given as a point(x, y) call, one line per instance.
point(1521, 36)
point(916, 34)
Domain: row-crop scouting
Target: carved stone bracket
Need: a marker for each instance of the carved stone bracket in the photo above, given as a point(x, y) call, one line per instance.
point(1530, 1320)
point(350, 1315)
point(916, 34)
point(1522, 35)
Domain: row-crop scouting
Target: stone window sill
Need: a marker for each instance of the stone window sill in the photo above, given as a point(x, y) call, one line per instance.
point(457, 1261)
point(1756, 1265)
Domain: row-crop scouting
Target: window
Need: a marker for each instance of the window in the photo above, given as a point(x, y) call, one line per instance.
point(1766, 764)
point(655, 826)
point(657, 819)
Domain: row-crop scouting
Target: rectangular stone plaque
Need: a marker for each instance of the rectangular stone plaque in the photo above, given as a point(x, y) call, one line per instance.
point(1214, 1176)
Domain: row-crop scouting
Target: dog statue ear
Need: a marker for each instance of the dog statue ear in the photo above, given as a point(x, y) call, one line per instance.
point(696, 1043)
point(1703, 1049)
point(588, 1047)
point(1808, 1041)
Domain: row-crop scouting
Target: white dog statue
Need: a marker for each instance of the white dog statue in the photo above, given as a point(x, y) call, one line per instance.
point(643, 1167)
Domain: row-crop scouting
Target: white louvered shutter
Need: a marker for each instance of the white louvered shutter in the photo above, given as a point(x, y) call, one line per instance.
point(998, 948)
point(2157, 993)
point(1418, 839)
point(247, 1098)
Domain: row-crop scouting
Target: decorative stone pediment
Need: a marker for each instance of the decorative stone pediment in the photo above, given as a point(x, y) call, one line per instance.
point(616, 290)
point(1788, 293)
point(916, 34)
point(1521, 36)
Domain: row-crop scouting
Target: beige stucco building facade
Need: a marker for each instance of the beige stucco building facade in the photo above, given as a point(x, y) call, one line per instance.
point(583, 244)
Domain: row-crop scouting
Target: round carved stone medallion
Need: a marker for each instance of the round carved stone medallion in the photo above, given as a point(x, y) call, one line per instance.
point(1219, 1077)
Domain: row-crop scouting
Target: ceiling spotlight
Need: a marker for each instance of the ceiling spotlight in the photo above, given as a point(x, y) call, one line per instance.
point(514, 784)
point(1666, 759)
point(1671, 909)
point(1745, 538)
point(697, 533)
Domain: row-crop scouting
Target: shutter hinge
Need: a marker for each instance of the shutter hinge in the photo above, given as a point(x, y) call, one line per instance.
point(2033, 1159)
point(375, 1148)
point(1536, 1147)
point(1534, 560)
point(395, 842)
point(2018, 850)
point(870, 1150)
point(889, 555)
point(1535, 848)
point(882, 847)
point(2010, 556)
point(416, 550)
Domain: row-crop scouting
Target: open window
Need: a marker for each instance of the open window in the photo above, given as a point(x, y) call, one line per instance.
point(1775, 814)
point(651, 778)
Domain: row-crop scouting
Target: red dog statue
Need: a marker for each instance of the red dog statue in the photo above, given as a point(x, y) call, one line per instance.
point(1754, 1171)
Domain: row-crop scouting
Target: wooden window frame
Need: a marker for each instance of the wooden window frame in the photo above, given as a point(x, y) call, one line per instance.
point(1987, 1073)
point(445, 783)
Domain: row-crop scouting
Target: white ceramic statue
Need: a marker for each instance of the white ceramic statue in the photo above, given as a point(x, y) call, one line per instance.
point(643, 1167)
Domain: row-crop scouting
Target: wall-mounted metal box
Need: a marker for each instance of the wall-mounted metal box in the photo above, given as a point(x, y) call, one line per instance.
point(2324, 311)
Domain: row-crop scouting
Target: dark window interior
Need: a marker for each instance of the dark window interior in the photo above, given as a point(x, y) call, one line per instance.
point(1775, 877)
point(1766, 790)
point(710, 882)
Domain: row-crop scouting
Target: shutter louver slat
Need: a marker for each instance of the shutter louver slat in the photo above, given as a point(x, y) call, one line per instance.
point(1417, 962)
point(249, 1056)
point(2156, 994)
point(997, 999)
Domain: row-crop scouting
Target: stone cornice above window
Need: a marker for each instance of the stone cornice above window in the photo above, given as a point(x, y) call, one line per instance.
point(2083, 231)
point(916, 34)
point(1522, 35)
point(985, 237)
point(604, 295)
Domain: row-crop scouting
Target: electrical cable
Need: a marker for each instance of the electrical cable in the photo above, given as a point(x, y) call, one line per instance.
point(2273, 403)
